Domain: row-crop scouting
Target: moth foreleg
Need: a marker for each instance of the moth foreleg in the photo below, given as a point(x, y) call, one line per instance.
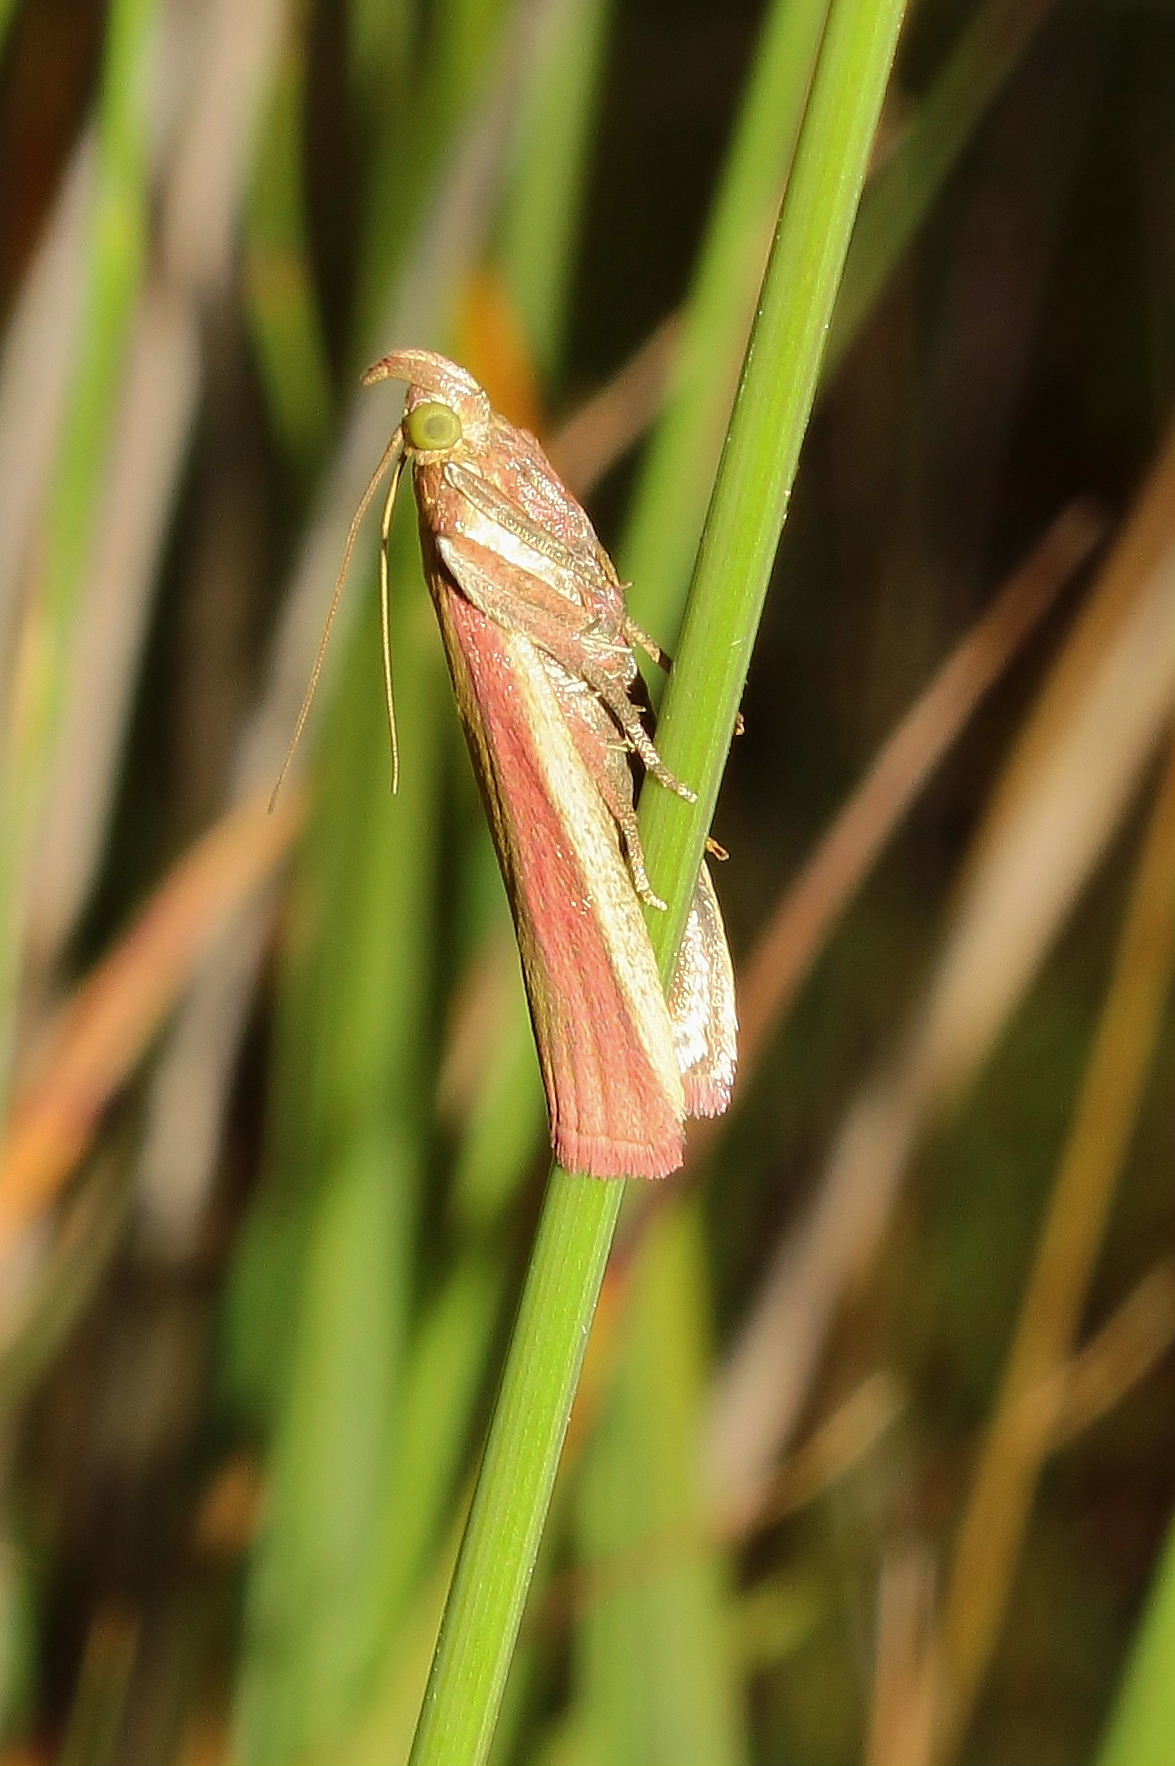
point(635, 733)
point(639, 639)
point(607, 762)
point(521, 603)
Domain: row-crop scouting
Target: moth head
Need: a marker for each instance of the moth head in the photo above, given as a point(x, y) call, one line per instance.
point(445, 405)
point(445, 408)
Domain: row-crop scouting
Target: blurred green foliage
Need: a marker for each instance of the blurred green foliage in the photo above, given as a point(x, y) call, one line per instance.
point(237, 1450)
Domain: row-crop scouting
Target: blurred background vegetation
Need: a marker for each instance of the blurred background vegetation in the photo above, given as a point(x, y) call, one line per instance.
point(873, 1455)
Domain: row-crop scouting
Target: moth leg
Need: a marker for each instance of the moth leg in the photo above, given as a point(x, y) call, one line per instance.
point(620, 807)
point(634, 852)
point(506, 596)
point(640, 640)
point(608, 763)
point(615, 781)
point(628, 717)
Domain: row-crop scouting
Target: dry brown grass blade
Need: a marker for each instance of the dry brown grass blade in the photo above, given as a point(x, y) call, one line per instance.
point(1073, 1396)
point(102, 1032)
point(837, 1444)
point(1021, 1431)
point(909, 1666)
point(1121, 1354)
point(1067, 787)
point(36, 363)
point(220, 79)
point(907, 1670)
point(492, 344)
point(146, 454)
point(816, 899)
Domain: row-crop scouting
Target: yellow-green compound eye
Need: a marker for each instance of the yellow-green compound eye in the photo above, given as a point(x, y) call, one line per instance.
point(433, 425)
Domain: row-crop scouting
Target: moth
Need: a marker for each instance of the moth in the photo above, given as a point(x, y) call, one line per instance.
point(540, 649)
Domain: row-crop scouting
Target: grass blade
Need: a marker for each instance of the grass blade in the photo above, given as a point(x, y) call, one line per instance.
point(750, 498)
point(117, 254)
point(1144, 1720)
point(662, 533)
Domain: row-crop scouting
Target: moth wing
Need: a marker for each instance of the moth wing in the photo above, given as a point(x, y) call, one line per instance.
point(701, 1006)
point(497, 508)
point(605, 1040)
point(558, 529)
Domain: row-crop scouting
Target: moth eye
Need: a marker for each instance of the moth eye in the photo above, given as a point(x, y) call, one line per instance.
point(433, 425)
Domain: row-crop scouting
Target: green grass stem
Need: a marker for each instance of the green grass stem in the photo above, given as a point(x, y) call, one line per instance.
point(761, 453)
point(657, 1677)
point(664, 526)
point(496, 1561)
point(663, 531)
point(986, 54)
point(654, 1681)
point(501, 1542)
point(677, 472)
point(1142, 1728)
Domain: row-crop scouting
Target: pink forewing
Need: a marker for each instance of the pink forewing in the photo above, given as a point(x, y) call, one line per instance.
point(602, 1026)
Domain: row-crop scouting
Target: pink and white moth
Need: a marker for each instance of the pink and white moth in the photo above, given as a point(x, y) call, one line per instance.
point(539, 647)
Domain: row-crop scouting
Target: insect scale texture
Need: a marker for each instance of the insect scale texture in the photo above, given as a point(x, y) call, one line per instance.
point(539, 647)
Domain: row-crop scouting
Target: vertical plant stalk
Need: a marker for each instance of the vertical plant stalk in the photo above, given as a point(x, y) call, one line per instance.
point(677, 471)
point(496, 1561)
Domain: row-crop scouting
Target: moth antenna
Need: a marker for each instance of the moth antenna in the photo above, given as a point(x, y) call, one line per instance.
point(393, 452)
point(385, 528)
